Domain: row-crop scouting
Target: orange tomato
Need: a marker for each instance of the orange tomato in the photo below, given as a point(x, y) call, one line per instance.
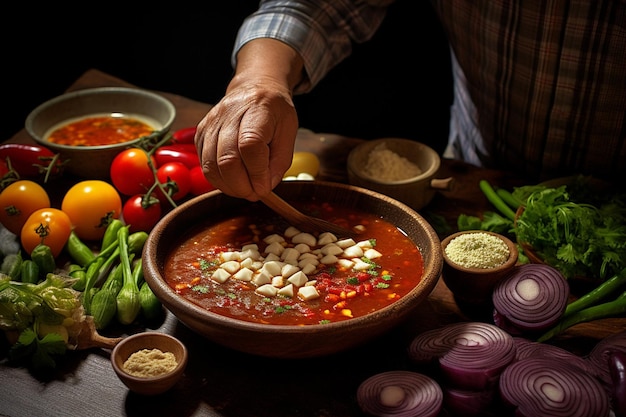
point(49, 226)
point(91, 205)
point(18, 201)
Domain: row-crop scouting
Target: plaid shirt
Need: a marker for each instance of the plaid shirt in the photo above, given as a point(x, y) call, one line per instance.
point(539, 87)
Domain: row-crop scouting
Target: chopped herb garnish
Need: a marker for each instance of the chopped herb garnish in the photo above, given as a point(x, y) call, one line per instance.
point(382, 285)
point(352, 280)
point(202, 289)
point(386, 277)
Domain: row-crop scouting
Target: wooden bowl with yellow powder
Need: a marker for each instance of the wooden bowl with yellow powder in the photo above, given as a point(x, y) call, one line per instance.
point(402, 169)
point(149, 363)
point(474, 261)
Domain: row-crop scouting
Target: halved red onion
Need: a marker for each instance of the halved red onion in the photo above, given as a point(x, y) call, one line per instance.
point(552, 387)
point(468, 403)
point(530, 349)
point(599, 355)
point(531, 298)
point(400, 394)
point(470, 355)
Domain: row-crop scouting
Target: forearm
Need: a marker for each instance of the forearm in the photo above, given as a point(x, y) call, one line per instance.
point(268, 60)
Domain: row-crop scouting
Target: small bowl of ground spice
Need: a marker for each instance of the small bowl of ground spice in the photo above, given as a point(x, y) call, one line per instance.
point(474, 261)
point(402, 169)
point(149, 363)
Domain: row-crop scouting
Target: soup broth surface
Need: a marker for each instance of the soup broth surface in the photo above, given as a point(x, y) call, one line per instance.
point(344, 292)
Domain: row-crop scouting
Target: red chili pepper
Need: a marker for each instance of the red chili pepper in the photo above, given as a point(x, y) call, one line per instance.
point(184, 135)
point(168, 153)
point(29, 160)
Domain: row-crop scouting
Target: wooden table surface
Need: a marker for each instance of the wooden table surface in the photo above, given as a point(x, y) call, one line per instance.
point(223, 382)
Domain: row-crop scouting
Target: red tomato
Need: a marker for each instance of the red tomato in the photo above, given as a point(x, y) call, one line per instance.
point(141, 216)
point(176, 179)
point(199, 183)
point(18, 201)
point(130, 172)
point(91, 205)
point(49, 226)
point(169, 153)
point(184, 135)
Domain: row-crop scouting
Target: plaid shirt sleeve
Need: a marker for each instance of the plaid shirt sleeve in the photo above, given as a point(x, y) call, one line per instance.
point(322, 31)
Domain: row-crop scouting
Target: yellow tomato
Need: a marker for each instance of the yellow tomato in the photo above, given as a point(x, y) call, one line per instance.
point(18, 201)
point(91, 205)
point(303, 162)
point(49, 226)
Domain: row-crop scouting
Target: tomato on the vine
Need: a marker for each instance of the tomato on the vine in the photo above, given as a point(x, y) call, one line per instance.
point(18, 201)
point(174, 176)
point(141, 213)
point(49, 226)
point(199, 183)
point(91, 205)
point(130, 172)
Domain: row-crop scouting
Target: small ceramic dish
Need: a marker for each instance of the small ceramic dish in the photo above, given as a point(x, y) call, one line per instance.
point(151, 362)
point(472, 285)
point(414, 190)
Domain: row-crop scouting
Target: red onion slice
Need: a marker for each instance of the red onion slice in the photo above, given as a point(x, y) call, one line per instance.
point(530, 349)
point(552, 387)
point(470, 355)
point(468, 403)
point(400, 394)
point(531, 298)
point(599, 355)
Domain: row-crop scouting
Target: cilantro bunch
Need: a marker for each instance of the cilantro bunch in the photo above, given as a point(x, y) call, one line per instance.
point(575, 228)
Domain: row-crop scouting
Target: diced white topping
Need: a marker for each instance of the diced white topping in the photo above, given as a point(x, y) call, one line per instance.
point(326, 238)
point(220, 275)
point(261, 278)
point(273, 238)
point(306, 238)
point(275, 248)
point(250, 246)
point(298, 279)
point(278, 281)
point(308, 261)
point(272, 257)
point(256, 265)
point(346, 243)
point(250, 254)
point(309, 269)
point(364, 244)
point(331, 249)
point(230, 266)
point(302, 248)
point(288, 270)
point(372, 254)
point(307, 293)
point(345, 263)
point(272, 268)
point(359, 265)
point(291, 232)
point(353, 251)
point(290, 254)
point(230, 256)
point(244, 274)
point(268, 290)
point(286, 291)
point(246, 263)
point(329, 259)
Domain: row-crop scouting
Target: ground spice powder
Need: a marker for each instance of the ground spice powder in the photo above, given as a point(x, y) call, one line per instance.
point(477, 250)
point(148, 363)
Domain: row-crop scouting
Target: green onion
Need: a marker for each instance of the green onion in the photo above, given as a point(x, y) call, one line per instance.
point(128, 305)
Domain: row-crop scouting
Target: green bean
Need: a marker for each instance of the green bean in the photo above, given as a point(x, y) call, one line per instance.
point(150, 305)
point(600, 292)
point(42, 255)
point(29, 272)
point(78, 250)
point(110, 234)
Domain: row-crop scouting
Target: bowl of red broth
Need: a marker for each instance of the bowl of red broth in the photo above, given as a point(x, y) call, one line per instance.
point(89, 127)
point(240, 275)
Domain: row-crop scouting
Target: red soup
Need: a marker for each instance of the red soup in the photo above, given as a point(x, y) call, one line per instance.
point(252, 266)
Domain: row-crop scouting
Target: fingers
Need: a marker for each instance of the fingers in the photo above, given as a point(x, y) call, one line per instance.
point(246, 146)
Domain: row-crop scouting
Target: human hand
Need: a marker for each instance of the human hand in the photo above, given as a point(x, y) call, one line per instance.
point(246, 141)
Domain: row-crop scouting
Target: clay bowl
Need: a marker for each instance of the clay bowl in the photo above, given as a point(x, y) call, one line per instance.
point(94, 162)
point(291, 341)
point(152, 385)
point(417, 190)
point(472, 286)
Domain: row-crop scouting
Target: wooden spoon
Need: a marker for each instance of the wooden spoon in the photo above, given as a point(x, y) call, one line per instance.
point(301, 221)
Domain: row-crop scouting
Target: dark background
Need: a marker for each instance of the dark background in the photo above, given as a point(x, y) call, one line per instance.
point(397, 84)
